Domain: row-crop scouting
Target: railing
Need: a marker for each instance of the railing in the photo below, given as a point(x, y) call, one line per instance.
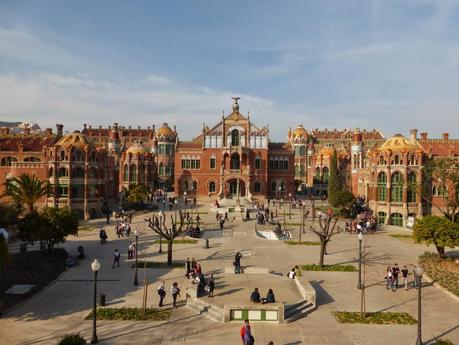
point(412, 204)
point(396, 204)
point(382, 203)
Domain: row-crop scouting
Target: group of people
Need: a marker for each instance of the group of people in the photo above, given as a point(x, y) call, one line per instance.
point(193, 271)
point(123, 229)
point(393, 275)
point(255, 297)
point(364, 223)
point(175, 292)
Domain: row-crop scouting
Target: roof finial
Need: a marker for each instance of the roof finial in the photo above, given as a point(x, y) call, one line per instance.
point(235, 104)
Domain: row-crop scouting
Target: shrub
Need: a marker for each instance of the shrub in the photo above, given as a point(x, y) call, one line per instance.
point(380, 318)
point(151, 314)
point(72, 339)
point(443, 342)
point(305, 243)
point(329, 268)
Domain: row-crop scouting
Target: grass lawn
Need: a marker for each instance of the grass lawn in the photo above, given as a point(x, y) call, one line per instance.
point(443, 271)
point(156, 264)
point(329, 268)
point(85, 228)
point(151, 314)
point(379, 318)
point(35, 267)
point(178, 241)
point(305, 243)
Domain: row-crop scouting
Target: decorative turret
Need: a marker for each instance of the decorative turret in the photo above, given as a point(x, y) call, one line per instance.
point(114, 142)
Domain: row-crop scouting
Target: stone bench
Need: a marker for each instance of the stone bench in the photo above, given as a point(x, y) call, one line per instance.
point(248, 270)
point(270, 312)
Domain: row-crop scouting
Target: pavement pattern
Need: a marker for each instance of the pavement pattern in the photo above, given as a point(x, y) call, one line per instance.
point(61, 307)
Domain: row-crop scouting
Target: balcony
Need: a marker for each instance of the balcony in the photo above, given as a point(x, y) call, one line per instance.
point(396, 204)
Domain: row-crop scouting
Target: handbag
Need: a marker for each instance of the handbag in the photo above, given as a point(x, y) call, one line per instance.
point(207, 288)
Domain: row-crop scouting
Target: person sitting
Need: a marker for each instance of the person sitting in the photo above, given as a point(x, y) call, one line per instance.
point(292, 273)
point(270, 297)
point(255, 296)
point(80, 251)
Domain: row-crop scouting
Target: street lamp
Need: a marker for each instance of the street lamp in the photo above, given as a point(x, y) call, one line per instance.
point(185, 200)
point(418, 271)
point(277, 197)
point(95, 266)
point(360, 238)
point(290, 206)
point(161, 217)
point(175, 203)
point(136, 233)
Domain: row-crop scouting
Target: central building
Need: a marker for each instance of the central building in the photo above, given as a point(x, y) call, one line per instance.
point(233, 159)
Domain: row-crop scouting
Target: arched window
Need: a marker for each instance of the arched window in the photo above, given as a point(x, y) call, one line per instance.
point(62, 155)
point(396, 187)
point(318, 174)
point(78, 156)
point(141, 173)
point(235, 138)
point(257, 187)
point(77, 173)
point(257, 163)
point(50, 172)
point(397, 160)
point(381, 160)
point(412, 160)
point(411, 196)
point(63, 172)
point(382, 185)
point(133, 173)
point(325, 174)
point(92, 173)
point(6, 161)
point(32, 159)
point(126, 173)
point(396, 219)
point(212, 187)
point(185, 185)
point(381, 217)
point(281, 186)
point(235, 162)
point(195, 185)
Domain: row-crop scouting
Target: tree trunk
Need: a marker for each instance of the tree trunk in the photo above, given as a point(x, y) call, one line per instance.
point(440, 250)
point(322, 253)
point(169, 252)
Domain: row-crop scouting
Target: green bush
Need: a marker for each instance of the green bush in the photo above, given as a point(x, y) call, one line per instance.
point(329, 268)
point(178, 241)
point(72, 339)
point(435, 270)
point(380, 318)
point(443, 342)
point(305, 243)
point(151, 314)
point(401, 236)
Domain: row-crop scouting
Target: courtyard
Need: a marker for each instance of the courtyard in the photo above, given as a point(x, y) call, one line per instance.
point(63, 306)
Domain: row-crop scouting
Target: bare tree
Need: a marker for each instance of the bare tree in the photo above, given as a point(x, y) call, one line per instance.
point(326, 230)
point(177, 228)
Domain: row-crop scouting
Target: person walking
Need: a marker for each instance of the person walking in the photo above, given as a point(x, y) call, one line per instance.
point(116, 258)
point(161, 292)
point(389, 278)
point(246, 334)
point(222, 222)
point(405, 276)
point(395, 272)
point(211, 286)
point(237, 263)
point(175, 291)
point(131, 250)
point(187, 267)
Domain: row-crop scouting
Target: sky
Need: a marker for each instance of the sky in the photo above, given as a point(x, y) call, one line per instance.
point(389, 65)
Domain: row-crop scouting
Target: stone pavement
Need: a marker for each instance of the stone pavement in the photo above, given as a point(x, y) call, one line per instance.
point(62, 306)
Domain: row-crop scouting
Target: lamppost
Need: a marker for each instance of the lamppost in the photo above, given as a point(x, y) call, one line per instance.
point(360, 238)
point(283, 209)
point(277, 197)
point(175, 203)
point(184, 199)
point(290, 206)
point(162, 217)
point(419, 272)
point(95, 266)
point(136, 233)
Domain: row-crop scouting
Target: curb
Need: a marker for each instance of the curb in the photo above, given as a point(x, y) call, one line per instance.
point(438, 286)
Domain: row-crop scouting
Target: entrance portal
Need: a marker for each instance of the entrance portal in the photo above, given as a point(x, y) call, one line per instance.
point(232, 188)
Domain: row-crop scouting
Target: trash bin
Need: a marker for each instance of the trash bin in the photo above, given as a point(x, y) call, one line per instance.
point(102, 300)
point(207, 243)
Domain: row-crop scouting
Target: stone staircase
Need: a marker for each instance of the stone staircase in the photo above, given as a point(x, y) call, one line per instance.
point(202, 307)
point(297, 310)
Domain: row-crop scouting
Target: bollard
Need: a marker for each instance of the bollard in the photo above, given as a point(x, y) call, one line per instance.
point(102, 300)
point(207, 243)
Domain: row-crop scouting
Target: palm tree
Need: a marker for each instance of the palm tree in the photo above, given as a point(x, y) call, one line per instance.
point(26, 190)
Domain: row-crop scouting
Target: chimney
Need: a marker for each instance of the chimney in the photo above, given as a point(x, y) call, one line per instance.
point(115, 126)
point(84, 126)
point(129, 127)
point(138, 127)
point(60, 129)
point(446, 136)
point(148, 127)
point(90, 127)
point(109, 127)
point(424, 135)
point(49, 132)
point(414, 134)
point(100, 127)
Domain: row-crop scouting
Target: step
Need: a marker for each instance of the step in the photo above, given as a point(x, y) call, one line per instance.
point(295, 305)
point(301, 314)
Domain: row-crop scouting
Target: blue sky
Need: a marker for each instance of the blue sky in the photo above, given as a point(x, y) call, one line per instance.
point(392, 65)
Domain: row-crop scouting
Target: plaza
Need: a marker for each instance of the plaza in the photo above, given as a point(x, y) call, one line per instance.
point(62, 307)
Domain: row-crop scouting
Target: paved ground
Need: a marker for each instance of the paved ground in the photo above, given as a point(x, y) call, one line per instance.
point(61, 307)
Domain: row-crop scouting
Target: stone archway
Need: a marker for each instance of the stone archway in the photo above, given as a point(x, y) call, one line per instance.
point(235, 187)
